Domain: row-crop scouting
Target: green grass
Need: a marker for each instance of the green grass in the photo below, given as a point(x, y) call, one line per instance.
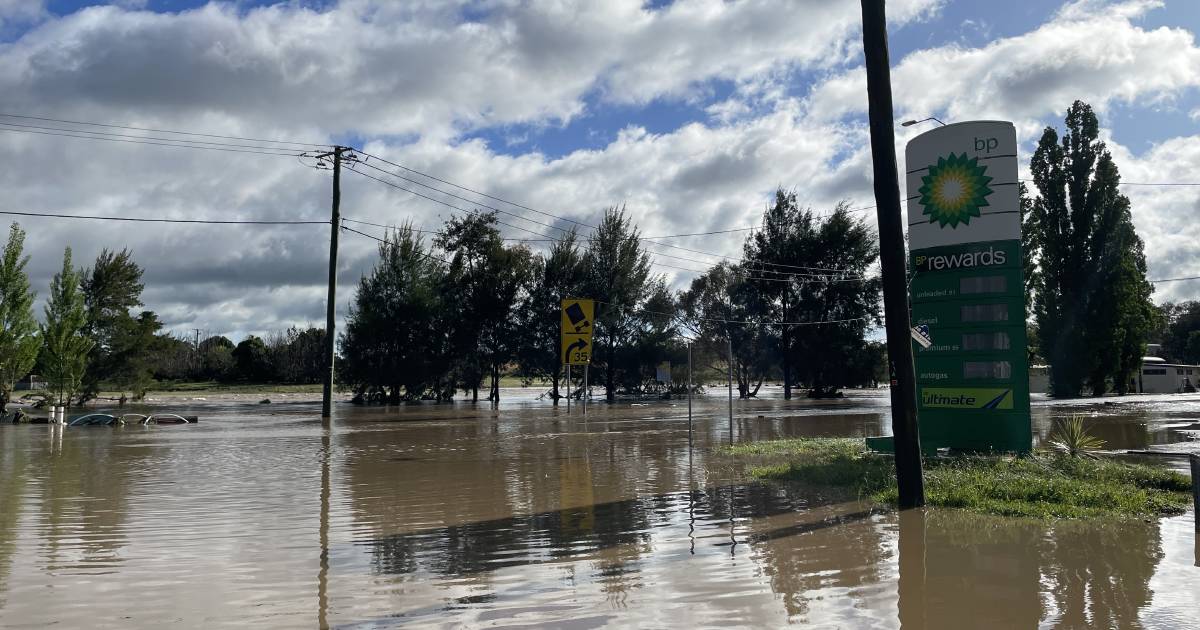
point(213, 387)
point(1041, 486)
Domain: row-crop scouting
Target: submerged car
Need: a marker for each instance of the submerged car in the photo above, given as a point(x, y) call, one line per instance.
point(106, 420)
point(95, 420)
point(157, 418)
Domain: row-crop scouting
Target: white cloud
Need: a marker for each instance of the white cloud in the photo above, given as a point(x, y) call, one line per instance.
point(412, 76)
point(401, 68)
point(1091, 51)
point(1165, 216)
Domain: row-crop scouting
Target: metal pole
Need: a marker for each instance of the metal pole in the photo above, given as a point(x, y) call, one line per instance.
point(585, 389)
point(1194, 460)
point(568, 389)
point(689, 396)
point(892, 257)
point(730, 339)
point(335, 224)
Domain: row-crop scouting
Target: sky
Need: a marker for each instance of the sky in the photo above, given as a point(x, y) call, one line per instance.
point(688, 113)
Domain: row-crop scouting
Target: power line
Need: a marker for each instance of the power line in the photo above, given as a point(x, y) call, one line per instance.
point(471, 201)
point(1175, 279)
point(439, 233)
point(811, 276)
point(561, 218)
point(157, 220)
point(106, 134)
point(564, 230)
point(1030, 181)
point(182, 133)
point(385, 241)
point(748, 322)
point(163, 144)
point(482, 194)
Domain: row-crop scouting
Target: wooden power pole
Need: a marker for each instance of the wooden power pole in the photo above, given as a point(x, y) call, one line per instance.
point(335, 225)
point(892, 257)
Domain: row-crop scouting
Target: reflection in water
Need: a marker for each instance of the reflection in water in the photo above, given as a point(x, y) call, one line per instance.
point(1019, 573)
point(1100, 577)
point(323, 531)
point(13, 476)
point(461, 515)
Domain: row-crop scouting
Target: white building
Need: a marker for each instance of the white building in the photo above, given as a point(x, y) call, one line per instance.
point(1156, 376)
point(1159, 377)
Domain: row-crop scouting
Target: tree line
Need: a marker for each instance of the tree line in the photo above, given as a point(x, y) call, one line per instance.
point(456, 314)
point(93, 336)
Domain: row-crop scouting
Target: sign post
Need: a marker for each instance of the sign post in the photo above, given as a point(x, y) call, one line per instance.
point(578, 317)
point(968, 297)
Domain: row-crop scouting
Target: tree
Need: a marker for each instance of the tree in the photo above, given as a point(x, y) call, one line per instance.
point(616, 271)
point(816, 269)
point(18, 329)
point(396, 343)
point(252, 360)
point(111, 288)
point(1092, 301)
point(1181, 327)
point(487, 280)
point(216, 359)
point(710, 305)
point(65, 347)
point(297, 356)
point(558, 276)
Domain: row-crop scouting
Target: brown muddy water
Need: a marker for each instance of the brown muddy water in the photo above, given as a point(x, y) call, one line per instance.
point(468, 516)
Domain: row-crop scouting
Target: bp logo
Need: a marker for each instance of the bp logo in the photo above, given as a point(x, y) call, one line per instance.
point(954, 190)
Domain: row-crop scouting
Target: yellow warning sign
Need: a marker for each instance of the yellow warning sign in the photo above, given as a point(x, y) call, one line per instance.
point(578, 317)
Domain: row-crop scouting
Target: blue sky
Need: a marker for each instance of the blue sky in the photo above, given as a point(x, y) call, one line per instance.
point(688, 112)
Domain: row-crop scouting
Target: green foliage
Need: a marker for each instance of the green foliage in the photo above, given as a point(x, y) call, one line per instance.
point(252, 360)
point(486, 281)
point(216, 359)
point(1181, 332)
point(809, 268)
point(65, 345)
point(724, 294)
point(297, 355)
point(617, 275)
point(559, 275)
point(18, 329)
point(1092, 301)
point(125, 345)
point(1040, 487)
point(396, 342)
point(1072, 439)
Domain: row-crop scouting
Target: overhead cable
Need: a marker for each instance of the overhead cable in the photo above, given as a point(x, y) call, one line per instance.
point(182, 133)
point(157, 220)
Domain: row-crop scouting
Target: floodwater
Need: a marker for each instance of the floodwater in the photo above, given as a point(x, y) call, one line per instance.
point(465, 515)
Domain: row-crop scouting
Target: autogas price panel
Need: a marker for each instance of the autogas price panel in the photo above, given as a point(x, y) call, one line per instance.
point(973, 380)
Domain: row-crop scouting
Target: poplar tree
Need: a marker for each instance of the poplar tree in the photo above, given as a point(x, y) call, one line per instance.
point(18, 328)
point(617, 272)
point(1092, 301)
point(65, 347)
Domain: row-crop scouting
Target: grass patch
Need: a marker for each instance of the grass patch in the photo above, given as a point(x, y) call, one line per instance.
point(213, 387)
point(1041, 486)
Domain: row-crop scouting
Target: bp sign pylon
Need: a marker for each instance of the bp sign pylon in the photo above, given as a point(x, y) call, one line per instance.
point(964, 232)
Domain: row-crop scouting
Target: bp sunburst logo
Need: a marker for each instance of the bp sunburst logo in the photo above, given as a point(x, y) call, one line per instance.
point(954, 190)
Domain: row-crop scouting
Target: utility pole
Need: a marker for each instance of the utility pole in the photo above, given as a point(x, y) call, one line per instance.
point(730, 339)
point(892, 257)
point(196, 361)
point(335, 225)
point(689, 397)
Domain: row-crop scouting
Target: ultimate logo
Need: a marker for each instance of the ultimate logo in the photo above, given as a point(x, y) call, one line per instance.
point(954, 190)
